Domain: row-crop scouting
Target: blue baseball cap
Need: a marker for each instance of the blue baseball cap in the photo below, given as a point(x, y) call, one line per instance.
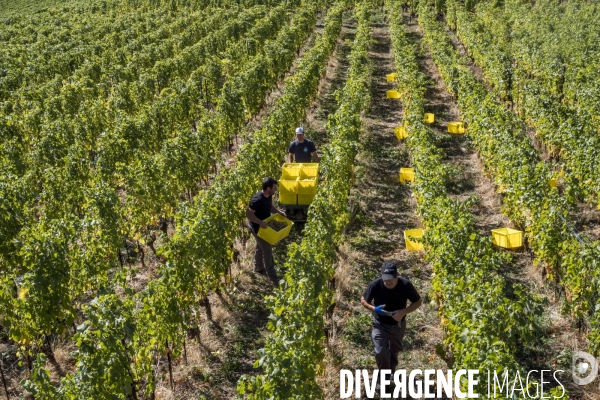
point(299, 130)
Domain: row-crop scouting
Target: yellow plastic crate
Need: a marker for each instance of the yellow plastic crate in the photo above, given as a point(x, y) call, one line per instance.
point(428, 118)
point(288, 199)
point(309, 170)
point(305, 199)
point(456, 127)
point(307, 186)
point(391, 77)
point(412, 245)
point(407, 175)
point(290, 170)
point(288, 174)
point(270, 235)
point(401, 133)
point(288, 186)
point(507, 237)
point(392, 94)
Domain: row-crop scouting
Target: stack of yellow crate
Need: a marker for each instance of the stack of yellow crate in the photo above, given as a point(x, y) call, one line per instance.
point(298, 183)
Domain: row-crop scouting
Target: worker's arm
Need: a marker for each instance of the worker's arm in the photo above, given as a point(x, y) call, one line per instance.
point(366, 305)
point(315, 156)
point(379, 309)
point(253, 218)
point(291, 155)
point(275, 210)
point(398, 315)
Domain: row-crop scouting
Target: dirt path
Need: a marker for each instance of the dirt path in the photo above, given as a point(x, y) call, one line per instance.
point(228, 344)
point(382, 209)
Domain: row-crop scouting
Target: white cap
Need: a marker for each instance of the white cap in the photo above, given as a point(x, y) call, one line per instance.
point(299, 130)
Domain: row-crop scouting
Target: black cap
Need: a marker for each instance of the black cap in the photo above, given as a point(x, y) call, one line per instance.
point(389, 270)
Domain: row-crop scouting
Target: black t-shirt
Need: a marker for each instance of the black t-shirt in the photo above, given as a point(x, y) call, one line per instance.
point(302, 151)
point(394, 299)
point(262, 207)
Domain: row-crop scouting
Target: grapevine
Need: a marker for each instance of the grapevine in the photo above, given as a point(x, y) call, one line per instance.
point(293, 353)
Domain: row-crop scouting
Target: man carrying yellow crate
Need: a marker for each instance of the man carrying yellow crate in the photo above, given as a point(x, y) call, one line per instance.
point(302, 150)
point(261, 207)
point(391, 293)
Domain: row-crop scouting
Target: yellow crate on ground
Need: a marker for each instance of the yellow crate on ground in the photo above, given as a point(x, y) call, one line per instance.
point(456, 127)
point(272, 236)
point(288, 186)
point(305, 199)
point(290, 170)
point(307, 186)
point(507, 237)
point(412, 245)
point(392, 94)
point(288, 199)
point(428, 118)
point(401, 133)
point(309, 170)
point(391, 77)
point(407, 175)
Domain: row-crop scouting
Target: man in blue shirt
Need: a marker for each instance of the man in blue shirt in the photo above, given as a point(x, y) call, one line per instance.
point(302, 150)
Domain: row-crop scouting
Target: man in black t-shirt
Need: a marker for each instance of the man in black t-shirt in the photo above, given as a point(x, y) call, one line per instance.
point(260, 208)
point(389, 295)
point(302, 150)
